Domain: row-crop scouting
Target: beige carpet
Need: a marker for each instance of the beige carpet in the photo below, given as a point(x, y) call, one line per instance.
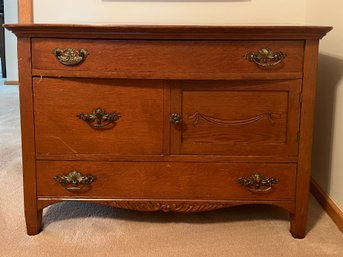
point(83, 229)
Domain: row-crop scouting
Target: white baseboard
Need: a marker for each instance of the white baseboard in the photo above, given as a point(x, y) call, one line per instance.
point(10, 83)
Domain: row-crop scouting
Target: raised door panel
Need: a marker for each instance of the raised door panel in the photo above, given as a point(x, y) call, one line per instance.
point(246, 118)
point(66, 123)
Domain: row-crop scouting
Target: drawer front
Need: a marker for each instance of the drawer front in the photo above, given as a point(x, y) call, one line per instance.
point(246, 118)
point(133, 57)
point(159, 180)
point(84, 116)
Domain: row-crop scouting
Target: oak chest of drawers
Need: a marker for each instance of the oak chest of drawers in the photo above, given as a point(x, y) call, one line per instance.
point(171, 118)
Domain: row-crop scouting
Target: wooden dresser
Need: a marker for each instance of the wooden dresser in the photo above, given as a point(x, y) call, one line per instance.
point(170, 118)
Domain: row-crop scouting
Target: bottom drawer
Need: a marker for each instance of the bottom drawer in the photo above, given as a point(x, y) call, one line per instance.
point(163, 180)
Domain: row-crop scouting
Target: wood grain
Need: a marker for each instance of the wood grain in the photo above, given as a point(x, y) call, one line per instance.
point(130, 56)
point(186, 32)
point(139, 130)
point(167, 180)
point(160, 74)
point(166, 158)
point(298, 222)
point(32, 214)
point(238, 119)
point(145, 204)
point(25, 11)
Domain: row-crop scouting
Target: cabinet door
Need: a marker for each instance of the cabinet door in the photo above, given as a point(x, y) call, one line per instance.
point(254, 118)
point(98, 116)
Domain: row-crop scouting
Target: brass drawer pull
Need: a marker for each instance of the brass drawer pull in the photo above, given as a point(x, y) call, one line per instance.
point(75, 181)
point(175, 119)
point(99, 118)
point(257, 183)
point(266, 57)
point(70, 56)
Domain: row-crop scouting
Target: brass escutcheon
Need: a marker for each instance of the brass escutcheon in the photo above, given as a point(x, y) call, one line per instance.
point(74, 180)
point(175, 119)
point(258, 183)
point(266, 57)
point(70, 56)
point(99, 118)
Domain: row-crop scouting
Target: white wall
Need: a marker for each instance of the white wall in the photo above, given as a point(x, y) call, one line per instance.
point(327, 165)
point(169, 11)
point(11, 16)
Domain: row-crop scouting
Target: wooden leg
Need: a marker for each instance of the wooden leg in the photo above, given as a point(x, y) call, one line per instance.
point(33, 222)
point(298, 225)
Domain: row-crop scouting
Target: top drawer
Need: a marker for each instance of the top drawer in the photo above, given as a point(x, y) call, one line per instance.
point(163, 59)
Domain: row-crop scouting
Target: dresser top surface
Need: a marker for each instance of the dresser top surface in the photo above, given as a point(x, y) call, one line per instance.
point(169, 31)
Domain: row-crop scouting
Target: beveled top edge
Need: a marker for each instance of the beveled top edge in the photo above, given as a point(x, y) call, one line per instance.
point(169, 31)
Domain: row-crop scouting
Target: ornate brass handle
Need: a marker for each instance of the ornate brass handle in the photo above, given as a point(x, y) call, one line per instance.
point(266, 57)
point(75, 181)
point(175, 119)
point(70, 56)
point(257, 183)
point(99, 118)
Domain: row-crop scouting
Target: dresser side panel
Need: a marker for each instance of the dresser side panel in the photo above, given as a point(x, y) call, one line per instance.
point(298, 224)
point(33, 217)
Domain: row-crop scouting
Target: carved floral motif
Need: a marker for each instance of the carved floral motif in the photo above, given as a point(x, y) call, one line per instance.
point(168, 206)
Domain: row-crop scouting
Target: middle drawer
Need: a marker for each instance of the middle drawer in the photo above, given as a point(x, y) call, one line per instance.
point(87, 116)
